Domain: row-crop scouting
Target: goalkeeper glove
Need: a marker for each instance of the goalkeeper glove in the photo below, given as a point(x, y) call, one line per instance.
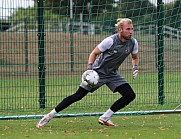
point(89, 67)
point(135, 71)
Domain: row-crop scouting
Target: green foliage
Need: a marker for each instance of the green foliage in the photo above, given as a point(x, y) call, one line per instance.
point(173, 14)
point(22, 13)
point(143, 12)
point(80, 6)
point(138, 10)
point(31, 15)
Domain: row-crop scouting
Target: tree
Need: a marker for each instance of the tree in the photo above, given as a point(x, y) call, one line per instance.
point(136, 9)
point(173, 14)
point(176, 14)
point(85, 7)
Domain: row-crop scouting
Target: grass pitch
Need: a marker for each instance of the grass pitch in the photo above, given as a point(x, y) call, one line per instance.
point(163, 126)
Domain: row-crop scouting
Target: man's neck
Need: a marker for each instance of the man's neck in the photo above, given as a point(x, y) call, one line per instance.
point(122, 39)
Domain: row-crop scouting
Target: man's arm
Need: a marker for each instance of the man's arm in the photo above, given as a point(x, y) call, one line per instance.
point(103, 46)
point(92, 57)
point(135, 60)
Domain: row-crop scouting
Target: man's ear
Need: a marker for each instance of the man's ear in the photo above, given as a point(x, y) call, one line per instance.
point(119, 29)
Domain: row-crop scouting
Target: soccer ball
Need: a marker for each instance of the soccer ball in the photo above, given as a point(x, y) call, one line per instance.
point(90, 78)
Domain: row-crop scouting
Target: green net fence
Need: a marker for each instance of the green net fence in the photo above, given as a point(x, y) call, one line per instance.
point(44, 50)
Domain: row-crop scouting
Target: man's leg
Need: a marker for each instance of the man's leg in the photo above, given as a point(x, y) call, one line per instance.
point(128, 95)
point(80, 93)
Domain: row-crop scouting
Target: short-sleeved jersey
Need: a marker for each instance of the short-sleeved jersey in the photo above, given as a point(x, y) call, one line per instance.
point(114, 54)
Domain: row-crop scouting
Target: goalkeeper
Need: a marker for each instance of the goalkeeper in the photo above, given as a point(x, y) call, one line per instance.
point(105, 59)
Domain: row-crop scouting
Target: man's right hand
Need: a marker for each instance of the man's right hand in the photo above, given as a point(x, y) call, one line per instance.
point(89, 67)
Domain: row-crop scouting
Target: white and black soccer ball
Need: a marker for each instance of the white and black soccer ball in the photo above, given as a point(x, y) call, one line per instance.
point(90, 78)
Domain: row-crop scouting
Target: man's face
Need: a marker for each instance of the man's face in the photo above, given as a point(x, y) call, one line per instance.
point(126, 31)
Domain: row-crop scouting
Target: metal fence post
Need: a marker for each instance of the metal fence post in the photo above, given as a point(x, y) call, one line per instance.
point(41, 53)
point(160, 52)
point(26, 43)
point(71, 36)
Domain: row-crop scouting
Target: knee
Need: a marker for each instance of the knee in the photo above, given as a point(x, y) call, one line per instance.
point(81, 92)
point(132, 96)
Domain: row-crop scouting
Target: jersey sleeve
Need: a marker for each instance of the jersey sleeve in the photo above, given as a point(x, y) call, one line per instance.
point(105, 44)
point(135, 49)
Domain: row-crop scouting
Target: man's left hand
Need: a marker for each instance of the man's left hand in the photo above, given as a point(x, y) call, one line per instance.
point(135, 71)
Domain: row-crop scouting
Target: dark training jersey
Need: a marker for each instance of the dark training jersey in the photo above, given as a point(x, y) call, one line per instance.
point(114, 52)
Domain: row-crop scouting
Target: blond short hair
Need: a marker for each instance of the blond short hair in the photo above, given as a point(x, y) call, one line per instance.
point(121, 21)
